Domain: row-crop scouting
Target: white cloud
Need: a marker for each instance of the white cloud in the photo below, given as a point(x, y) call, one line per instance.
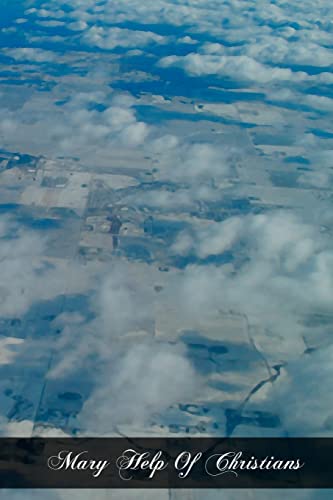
point(283, 271)
point(272, 49)
point(190, 161)
point(111, 38)
point(320, 179)
point(143, 382)
point(136, 376)
point(75, 128)
point(29, 54)
point(240, 67)
point(122, 307)
point(211, 240)
point(188, 40)
point(28, 276)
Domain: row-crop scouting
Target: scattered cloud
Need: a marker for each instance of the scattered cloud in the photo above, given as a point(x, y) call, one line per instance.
point(32, 55)
point(28, 276)
point(281, 271)
point(142, 383)
point(111, 38)
point(240, 67)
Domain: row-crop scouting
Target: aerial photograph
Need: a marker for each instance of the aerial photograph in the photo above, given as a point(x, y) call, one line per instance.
point(166, 225)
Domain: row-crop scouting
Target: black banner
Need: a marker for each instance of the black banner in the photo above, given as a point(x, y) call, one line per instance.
point(166, 463)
